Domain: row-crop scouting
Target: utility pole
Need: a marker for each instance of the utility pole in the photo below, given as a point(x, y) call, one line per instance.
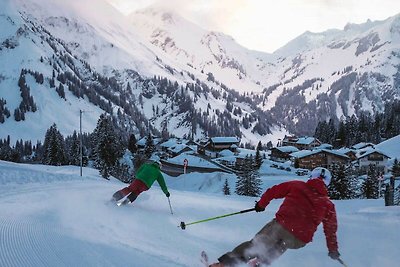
point(80, 138)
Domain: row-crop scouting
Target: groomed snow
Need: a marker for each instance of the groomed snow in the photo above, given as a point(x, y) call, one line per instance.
point(50, 216)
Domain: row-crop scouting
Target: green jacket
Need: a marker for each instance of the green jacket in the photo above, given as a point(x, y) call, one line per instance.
point(148, 173)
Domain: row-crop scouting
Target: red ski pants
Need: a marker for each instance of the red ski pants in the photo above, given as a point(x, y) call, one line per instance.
point(136, 187)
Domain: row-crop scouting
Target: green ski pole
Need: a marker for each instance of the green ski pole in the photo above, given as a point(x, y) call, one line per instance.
point(183, 224)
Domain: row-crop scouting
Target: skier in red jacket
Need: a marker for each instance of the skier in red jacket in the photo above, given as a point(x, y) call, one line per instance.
point(305, 206)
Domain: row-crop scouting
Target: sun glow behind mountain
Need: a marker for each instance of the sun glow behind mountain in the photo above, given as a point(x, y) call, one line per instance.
point(266, 25)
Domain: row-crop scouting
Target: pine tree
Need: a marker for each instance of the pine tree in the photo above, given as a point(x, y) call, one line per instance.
point(54, 147)
point(248, 182)
point(106, 145)
point(370, 186)
point(226, 189)
point(132, 144)
point(258, 158)
point(342, 185)
point(149, 147)
point(73, 148)
point(122, 172)
point(269, 145)
point(396, 168)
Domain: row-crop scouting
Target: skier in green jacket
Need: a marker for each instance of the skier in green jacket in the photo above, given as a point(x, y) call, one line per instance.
point(145, 176)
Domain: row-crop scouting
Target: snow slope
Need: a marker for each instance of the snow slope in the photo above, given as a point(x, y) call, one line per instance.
point(50, 216)
point(391, 147)
point(208, 51)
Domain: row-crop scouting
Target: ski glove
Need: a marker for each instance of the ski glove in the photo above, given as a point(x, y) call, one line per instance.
point(167, 194)
point(334, 255)
point(258, 208)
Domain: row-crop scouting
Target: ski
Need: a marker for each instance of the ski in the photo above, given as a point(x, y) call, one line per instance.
point(123, 202)
point(254, 262)
point(204, 258)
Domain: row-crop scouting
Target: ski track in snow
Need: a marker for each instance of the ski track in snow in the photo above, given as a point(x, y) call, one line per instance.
point(40, 240)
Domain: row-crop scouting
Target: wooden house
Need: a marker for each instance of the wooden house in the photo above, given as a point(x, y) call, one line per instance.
point(282, 153)
point(371, 156)
point(214, 145)
point(302, 143)
point(308, 159)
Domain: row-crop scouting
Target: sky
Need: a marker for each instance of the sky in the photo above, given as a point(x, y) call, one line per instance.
point(267, 25)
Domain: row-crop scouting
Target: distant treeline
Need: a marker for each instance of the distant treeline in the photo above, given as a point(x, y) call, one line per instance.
point(364, 128)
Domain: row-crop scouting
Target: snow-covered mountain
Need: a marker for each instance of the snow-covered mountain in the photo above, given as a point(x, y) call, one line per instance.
point(336, 73)
point(103, 65)
point(207, 51)
point(156, 69)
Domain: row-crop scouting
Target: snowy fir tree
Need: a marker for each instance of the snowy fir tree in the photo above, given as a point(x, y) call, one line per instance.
point(343, 184)
point(396, 168)
point(258, 157)
point(106, 145)
point(248, 182)
point(226, 189)
point(132, 144)
point(73, 148)
point(149, 147)
point(54, 148)
point(370, 186)
point(122, 172)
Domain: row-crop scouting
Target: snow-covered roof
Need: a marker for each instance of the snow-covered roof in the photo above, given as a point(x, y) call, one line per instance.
point(169, 143)
point(173, 142)
point(287, 149)
point(344, 150)
point(231, 159)
point(305, 153)
point(192, 161)
point(305, 140)
point(324, 146)
point(362, 145)
point(225, 139)
point(390, 147)
point(142, 141)
point(179, 147)
point(226, 153)
point(368, 151)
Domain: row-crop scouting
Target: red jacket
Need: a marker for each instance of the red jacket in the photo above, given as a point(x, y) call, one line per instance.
point(306, 205)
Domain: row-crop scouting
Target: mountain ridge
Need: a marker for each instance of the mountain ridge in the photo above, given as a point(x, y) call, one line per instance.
point(187, 89)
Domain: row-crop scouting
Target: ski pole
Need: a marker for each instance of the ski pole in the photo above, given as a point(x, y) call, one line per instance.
point(170, 207)
point(342, 262)
point(183, 224)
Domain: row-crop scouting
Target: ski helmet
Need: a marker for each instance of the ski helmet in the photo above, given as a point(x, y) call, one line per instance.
point(323, 174)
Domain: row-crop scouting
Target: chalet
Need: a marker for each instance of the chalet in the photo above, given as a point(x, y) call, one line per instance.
point(308, 159)
point(165, 146)
point(363, 146)
point(301, 143)
point(141, 143)
point(371, 156)
point(227, 158)
point(282, 153)
point(179, 149)
point(324, 146)
point(351, 153)
point(214, 145)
